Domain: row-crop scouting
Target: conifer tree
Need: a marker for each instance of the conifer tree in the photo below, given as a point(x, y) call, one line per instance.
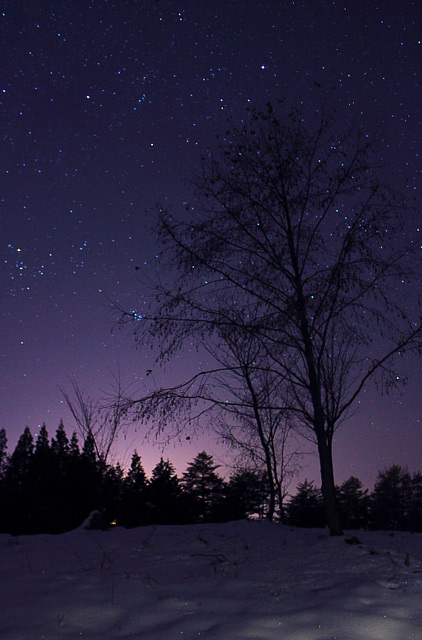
point(43, 481)
point(63, 489)
point(113, 493)
point(353, 503)
point(248, 493)
point(133, 512)
point(136, 475)
point(74, 451)
point(88, 481)
point(20, 460)
point(305, 509)
point(18, 485)
point(204, 485)
point(390, 499)
point(60, 446)
point(42, 443)
point(164, 495)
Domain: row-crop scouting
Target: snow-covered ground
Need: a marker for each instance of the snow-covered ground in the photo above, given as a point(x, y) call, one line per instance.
point(235, 581)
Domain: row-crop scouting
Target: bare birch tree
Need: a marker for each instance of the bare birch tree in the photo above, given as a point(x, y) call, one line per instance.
point(295, 242)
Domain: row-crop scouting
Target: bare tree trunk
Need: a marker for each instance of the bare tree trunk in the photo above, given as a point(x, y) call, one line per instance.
point(271, 505)
point(265, 446)
point(328, 488)
point(319, 421)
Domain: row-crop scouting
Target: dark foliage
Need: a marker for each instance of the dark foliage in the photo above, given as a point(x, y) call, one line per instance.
point(166, 502)
point(248, 494)
point(396, 502)
point(133, 489)
point(306, 508)
point(204, 487)
point(353, 504)
point(52, 487)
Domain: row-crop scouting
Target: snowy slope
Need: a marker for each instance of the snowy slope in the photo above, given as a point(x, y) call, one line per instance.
point(235, 581)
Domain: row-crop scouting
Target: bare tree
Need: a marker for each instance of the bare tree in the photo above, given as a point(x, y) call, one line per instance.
point(250, 419)
point(293, 241)
point(263, 437)
point(101, 420)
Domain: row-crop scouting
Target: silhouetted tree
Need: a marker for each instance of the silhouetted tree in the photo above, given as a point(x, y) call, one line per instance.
point(60, 446)
point(164, 495)
point(99, 421)
point(248, 493)
point(43, 478)
point(295, 240)
point(390, 499)
point(353, 502)
point(204, 486)
point(21, 458)
point(87, 481)
point(62, 487)
point(18, 484)
point(305, 509)
point(74, 451)
point(133, 510)
point(113, 494)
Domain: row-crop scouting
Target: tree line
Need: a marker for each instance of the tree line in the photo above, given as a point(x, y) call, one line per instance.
point(51, 486)
point(394, 504)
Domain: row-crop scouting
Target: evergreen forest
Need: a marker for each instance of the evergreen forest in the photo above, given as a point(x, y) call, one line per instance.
point(51, 486)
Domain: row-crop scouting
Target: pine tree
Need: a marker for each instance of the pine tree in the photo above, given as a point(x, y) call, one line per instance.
point(247, 493)
point(88, 481)
point(20, 460)
point(202, 483)
point(18, 486)
point(390, 500)
point(60, 446)
point(164, 495)
point(305, 509)
point(75, 491)
point(353, 503)
point(62, 490)
point(74, 451)
point(133, 511)
point(113, 493)
point(43, 480)
point(42, 443)
point(136, 476)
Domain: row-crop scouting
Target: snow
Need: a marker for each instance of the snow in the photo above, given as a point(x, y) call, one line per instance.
point(235, 581)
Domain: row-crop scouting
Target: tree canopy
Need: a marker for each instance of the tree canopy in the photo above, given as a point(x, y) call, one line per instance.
point(295, 249)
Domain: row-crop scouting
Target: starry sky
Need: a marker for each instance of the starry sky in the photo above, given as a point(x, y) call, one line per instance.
point(105, 109)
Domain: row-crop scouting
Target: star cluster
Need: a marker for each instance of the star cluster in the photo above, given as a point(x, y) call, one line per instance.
point(105, 109)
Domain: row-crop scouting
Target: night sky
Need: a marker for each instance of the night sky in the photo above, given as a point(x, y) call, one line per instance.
point(105, 109)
